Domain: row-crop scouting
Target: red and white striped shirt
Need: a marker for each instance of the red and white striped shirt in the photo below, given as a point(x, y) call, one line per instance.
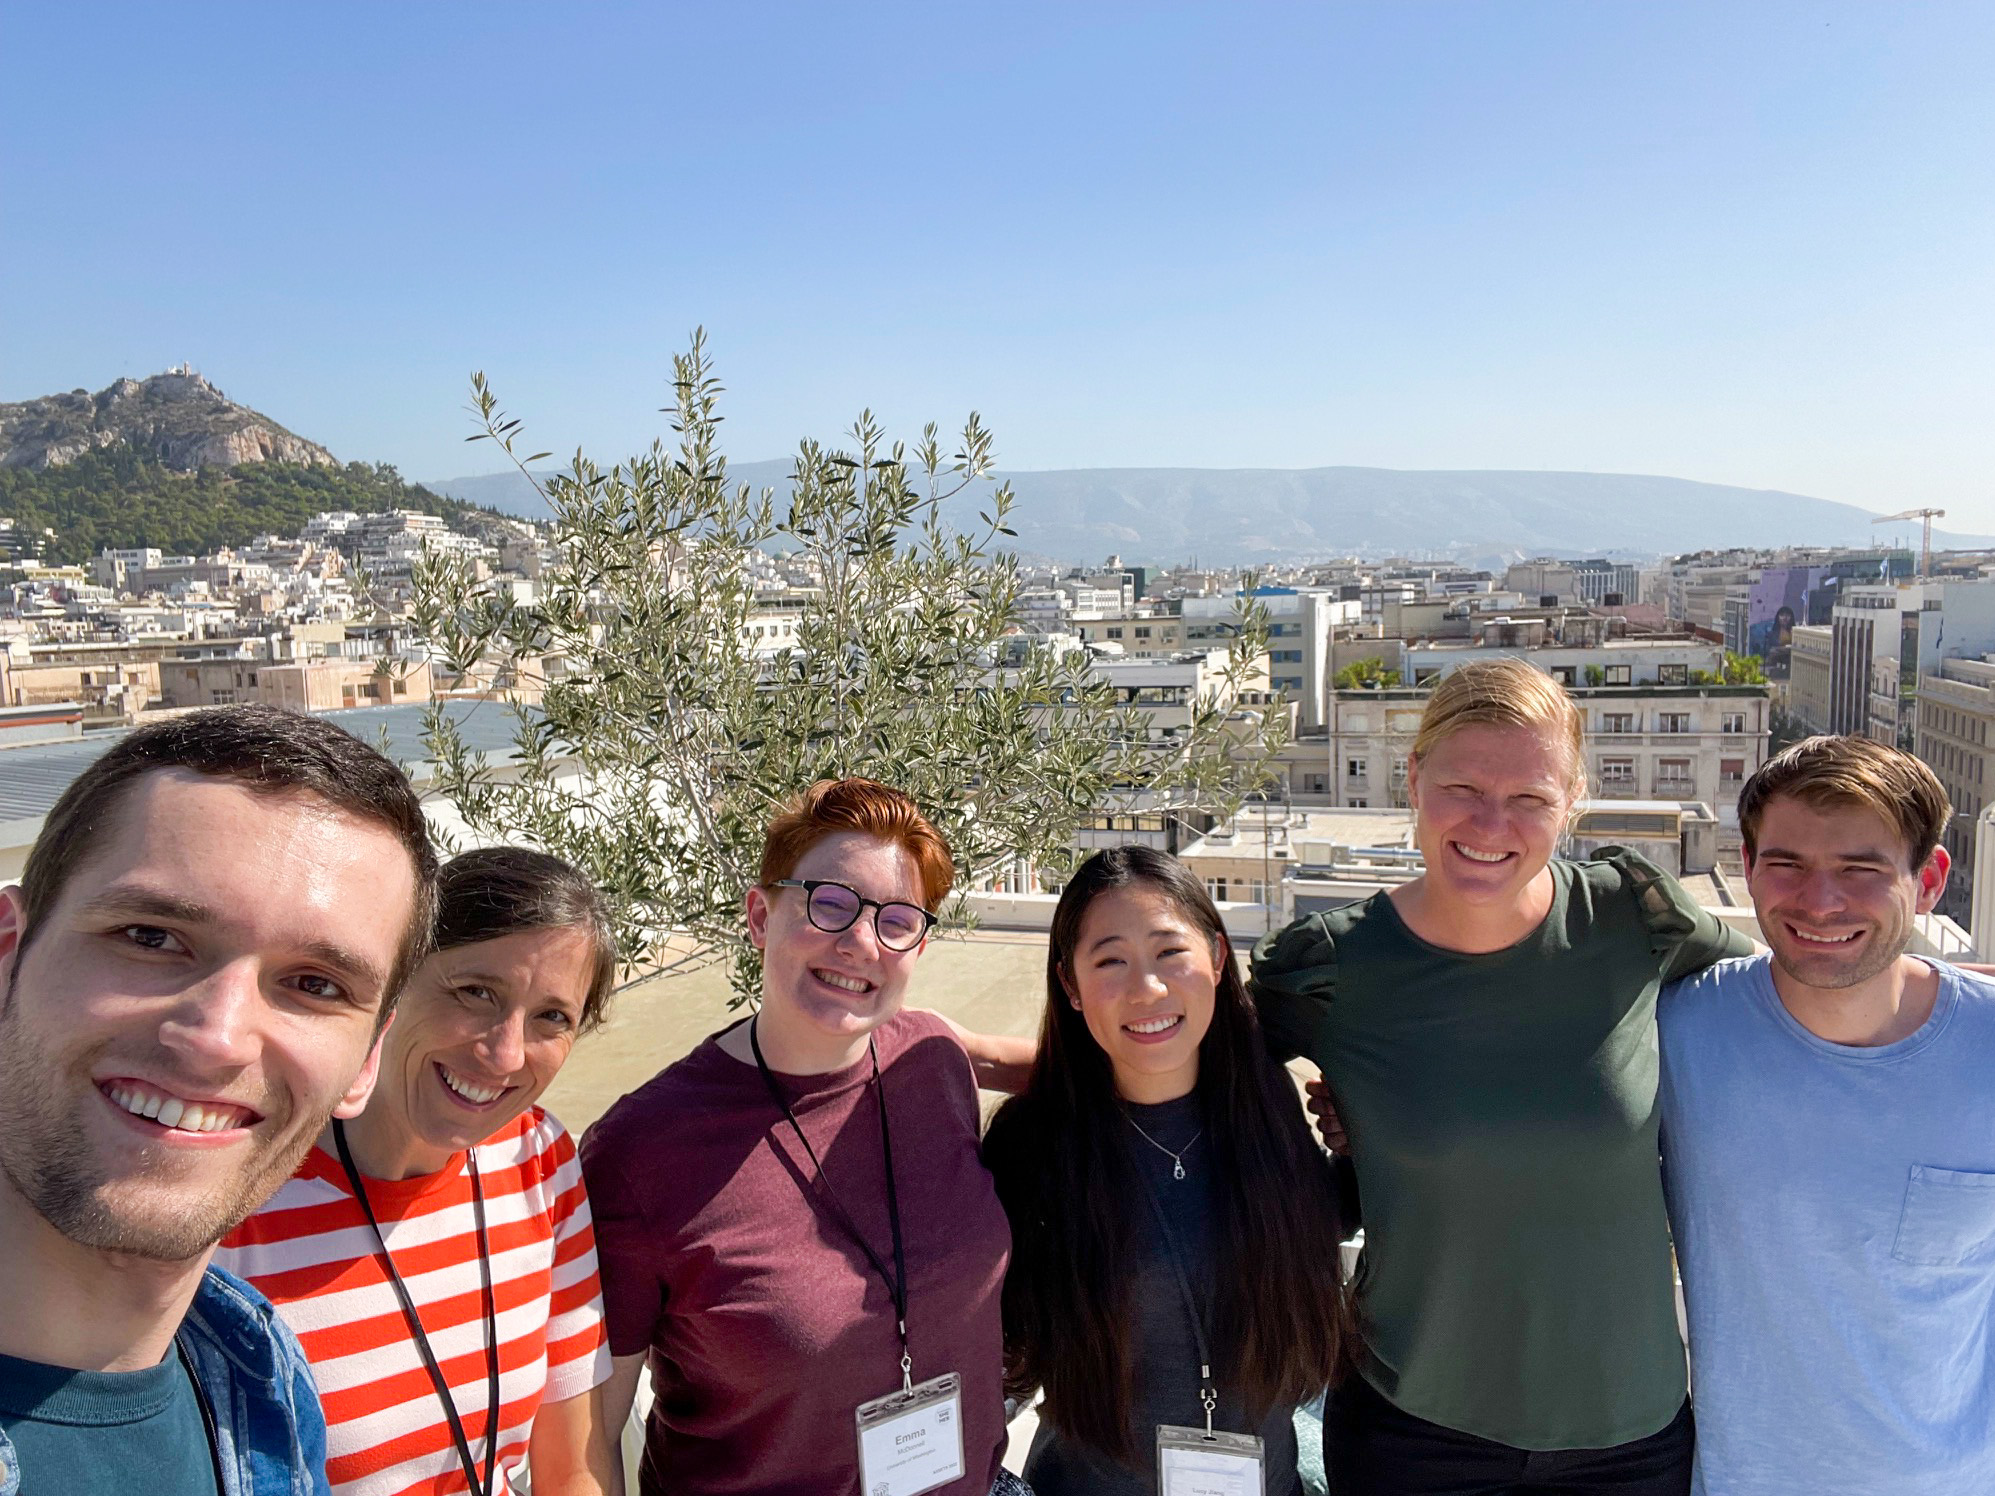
point(311, 1251)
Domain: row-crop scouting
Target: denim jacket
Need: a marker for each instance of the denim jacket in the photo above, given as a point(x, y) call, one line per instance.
point(270, 1435)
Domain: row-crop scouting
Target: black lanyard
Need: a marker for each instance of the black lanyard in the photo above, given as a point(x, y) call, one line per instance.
point(1208, 1393)
point(478, 1488)
point(896, 1281)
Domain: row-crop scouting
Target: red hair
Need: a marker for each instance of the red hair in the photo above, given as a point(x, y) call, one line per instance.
point(871, 809)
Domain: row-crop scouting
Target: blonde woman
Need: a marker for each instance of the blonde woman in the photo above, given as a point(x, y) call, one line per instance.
point(1487, 1033)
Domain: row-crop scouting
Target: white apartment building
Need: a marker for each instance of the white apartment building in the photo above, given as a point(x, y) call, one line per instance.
point(1882, 638)
point(1599, 580)
point(1953, 729)
point(1141, 634)
point(1168, 690)
point(1301, 624)
point(1808, 677)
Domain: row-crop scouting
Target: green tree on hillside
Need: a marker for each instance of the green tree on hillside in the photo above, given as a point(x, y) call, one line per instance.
point(119, 497)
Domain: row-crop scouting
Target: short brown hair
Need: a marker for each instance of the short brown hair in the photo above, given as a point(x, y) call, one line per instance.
point(499, 891)
point(868, 807)
point(265, 749)
point(1503, 692)
point(1828, 771)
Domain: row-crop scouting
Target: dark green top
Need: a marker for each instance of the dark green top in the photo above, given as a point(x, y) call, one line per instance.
point(1515, 1282)
point(105, 1433)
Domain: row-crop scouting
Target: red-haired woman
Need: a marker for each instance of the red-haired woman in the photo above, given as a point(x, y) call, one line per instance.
point(793, 1222)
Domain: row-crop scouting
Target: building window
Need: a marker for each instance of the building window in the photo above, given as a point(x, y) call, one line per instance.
point(1617, 675)
point(1617, 721)
point(1731, 770)
point(1673, 722)
point(1142, 633)
point(1617, 771)
point(1735, 722)
point(1562, 674)
point(1673, 675)
point(1115, 633)
point(1354, 768)
point(1359, 802)
point(1673, 774)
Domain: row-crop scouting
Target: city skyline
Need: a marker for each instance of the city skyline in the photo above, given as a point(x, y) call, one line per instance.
point(1739, 247)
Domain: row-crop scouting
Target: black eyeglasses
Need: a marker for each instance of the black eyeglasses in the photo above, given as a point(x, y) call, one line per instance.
point(833, 907)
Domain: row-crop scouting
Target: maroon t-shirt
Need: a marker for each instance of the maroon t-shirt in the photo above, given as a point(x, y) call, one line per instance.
point(765, 1323)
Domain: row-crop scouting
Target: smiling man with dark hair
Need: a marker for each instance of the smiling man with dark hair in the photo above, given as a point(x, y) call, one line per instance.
point(194, 976)
point(1829, 1147)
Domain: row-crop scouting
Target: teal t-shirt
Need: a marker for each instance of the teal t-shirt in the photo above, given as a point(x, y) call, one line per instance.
point(106, 1433)
point(1502, 1110)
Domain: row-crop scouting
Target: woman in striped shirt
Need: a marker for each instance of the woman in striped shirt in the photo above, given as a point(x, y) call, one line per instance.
point(435, 1255)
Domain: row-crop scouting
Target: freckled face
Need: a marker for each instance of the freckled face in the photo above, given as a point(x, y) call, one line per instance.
point(482, 1032)
point(1489, 806)
point(1145, 978)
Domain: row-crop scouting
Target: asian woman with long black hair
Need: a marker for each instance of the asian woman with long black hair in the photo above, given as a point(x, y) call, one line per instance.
point(1175, 1228)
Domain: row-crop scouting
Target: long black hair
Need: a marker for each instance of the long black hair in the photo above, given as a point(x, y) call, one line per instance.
point(1062, 1169)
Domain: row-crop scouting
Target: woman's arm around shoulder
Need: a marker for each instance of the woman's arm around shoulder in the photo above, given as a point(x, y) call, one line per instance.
point(1684, 936)
point(1001, 1062)
point(1292, 980)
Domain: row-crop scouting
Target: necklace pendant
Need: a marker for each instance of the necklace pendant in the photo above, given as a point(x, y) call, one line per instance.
point(1177, 1168)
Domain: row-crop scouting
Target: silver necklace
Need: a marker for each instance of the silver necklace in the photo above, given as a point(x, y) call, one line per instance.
point(1176, 1156)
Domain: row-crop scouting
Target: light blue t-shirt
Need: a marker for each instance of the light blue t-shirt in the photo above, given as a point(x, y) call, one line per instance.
point(1834, 1213)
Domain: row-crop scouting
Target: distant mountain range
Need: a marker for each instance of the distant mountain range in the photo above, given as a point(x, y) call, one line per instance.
point(1220, 516)
point(1244, 516)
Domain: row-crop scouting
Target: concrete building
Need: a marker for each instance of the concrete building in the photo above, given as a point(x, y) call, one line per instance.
point(1169, 690)
point(1599, 580)
point(1543, 579)
point(1809, 657)
point(1301, 624)
point(1954, 712)
point(1883, 637)
point(1136, 634)
point(319, 685)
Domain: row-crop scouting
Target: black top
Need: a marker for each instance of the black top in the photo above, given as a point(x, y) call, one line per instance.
point(1163, 1350)
point(106, 1433)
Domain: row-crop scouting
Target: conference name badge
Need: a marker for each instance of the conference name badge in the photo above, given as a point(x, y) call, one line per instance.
point(1192, 1462)
point(912, 1441)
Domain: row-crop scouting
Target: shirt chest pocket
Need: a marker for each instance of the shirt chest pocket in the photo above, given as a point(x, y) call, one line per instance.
point(1948, 1220)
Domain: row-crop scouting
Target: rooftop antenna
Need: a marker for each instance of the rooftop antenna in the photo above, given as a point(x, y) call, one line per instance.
point(1926, 534)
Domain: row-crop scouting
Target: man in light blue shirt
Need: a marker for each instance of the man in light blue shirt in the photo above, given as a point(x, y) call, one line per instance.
point(1829, 1151)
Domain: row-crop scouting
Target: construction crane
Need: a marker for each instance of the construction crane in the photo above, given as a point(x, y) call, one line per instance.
point(1926, 536)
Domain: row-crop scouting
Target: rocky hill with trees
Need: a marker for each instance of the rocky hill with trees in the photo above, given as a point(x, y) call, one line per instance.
point(172, 462)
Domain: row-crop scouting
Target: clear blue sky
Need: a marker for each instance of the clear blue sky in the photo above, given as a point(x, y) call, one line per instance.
point(1743, 242)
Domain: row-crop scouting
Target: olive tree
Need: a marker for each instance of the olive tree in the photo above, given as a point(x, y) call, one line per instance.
point(667, 731)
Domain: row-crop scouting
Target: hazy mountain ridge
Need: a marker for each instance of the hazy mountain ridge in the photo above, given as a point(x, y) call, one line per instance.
point(1242, 516)
point(177, 418)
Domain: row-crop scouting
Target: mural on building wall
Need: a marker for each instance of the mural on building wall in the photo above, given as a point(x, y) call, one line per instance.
point(1782, 597)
